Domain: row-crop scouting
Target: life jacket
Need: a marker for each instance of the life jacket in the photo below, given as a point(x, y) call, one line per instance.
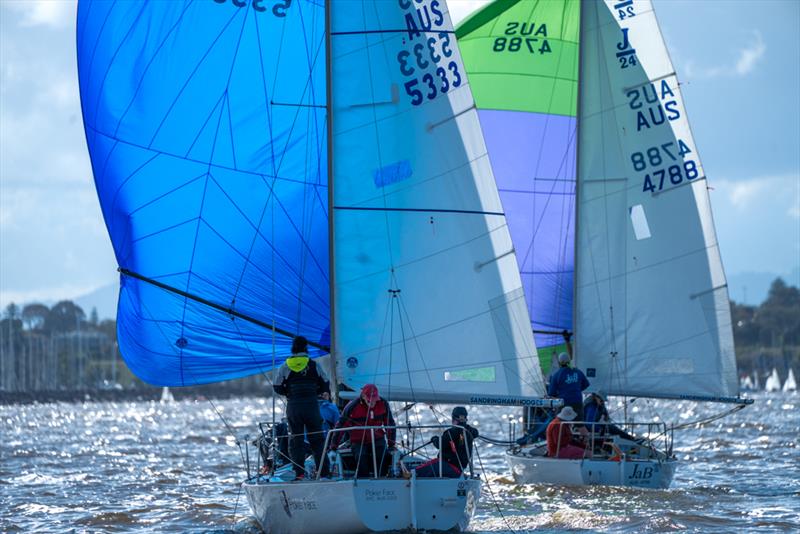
point(301, 380)
point(357, 413)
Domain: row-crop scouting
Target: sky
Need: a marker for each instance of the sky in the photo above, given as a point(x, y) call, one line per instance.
point(738, 61)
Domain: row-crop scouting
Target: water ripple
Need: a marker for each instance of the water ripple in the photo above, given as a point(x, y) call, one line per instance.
point(144, 466)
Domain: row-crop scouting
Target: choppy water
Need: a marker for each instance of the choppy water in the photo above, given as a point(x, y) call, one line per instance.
point(146, 466)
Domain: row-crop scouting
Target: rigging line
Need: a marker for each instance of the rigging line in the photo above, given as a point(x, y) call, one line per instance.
point(405, 349)
point(195, 382)
point(392, 299)
point(236, 507)
point(376, 133)
point(402, 308)
point(711, 418)
point(489, 487)
point(224, 309)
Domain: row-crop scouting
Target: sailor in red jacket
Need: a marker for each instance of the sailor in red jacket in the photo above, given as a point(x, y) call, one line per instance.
point(368, 410)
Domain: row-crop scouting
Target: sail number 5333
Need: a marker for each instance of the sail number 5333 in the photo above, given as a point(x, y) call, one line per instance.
point(442, 73)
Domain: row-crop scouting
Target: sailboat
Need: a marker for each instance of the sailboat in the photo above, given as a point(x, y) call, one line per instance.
point(268, 169)
point(609, 212)
point(773, 382)
point(791, 384)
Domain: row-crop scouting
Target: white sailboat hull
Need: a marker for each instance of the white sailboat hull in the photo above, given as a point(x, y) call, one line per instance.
point(364, 505)
point(654, 474)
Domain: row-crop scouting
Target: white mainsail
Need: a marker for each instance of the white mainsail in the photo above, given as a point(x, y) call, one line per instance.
point(427, 298)
point(773, 381)
point(790, 384)
point(652, 313)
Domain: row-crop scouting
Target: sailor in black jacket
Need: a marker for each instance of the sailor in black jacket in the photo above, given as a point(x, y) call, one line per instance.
point(455, 448)
point(300, 379)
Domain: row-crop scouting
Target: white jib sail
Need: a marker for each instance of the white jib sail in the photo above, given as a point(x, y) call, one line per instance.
point(427, 300)
point(652, 312)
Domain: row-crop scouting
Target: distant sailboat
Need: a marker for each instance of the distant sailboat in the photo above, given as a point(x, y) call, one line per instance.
point(746, 383)
point(316, 168)
point(608, 207)
point(773, 382)
point(166, 395)
point(791, 384)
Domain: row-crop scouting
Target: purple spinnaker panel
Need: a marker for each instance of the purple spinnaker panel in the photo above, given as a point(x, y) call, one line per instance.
point(537, 188)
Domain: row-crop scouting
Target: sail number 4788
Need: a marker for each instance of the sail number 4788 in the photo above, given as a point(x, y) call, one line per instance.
point(666, 164)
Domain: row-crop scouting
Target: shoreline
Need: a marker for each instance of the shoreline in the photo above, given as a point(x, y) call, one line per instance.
point(126, 395)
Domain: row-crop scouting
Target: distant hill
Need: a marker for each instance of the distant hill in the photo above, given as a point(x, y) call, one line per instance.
point(752, 287)
point(103, 298)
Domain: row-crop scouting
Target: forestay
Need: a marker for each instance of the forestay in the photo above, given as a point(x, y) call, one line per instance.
point(652, 315)
point(427, 297)
point(206, 128)
point(522, 60)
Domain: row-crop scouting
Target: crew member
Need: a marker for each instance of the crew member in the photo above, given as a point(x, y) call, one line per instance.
point(568, 384)
point(368, 410)
point(560, 440)
point(455, 448)
point(300, 379)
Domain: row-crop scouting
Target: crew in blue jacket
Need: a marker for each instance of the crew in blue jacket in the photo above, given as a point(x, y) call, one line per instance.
point(568, 384)
point(328, 411)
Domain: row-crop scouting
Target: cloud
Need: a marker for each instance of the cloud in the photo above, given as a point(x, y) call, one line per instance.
point(743, 194)
point(50, 13)
point(758, 222)
point(748, 58)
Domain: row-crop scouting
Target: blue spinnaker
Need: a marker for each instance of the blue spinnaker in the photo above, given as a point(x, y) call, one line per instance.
point(206, 127)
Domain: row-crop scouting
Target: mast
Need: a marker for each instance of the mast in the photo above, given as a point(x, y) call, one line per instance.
point(331, 266)
point(581, 25)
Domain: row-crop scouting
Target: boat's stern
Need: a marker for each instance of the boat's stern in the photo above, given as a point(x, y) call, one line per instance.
point(364, 505)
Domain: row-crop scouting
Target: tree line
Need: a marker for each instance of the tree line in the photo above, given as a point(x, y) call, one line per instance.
point(59, 348)
point(767, 336)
